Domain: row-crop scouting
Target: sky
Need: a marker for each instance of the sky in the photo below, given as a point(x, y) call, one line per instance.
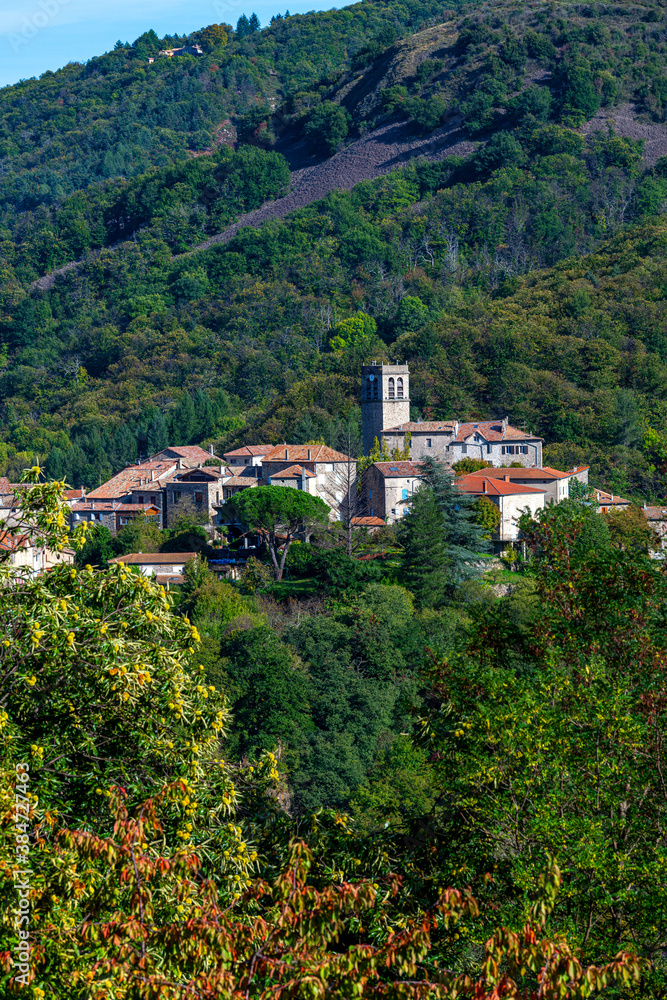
point(36, 35)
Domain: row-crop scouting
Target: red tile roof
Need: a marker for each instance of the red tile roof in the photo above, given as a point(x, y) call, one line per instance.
point(191, 453)
point(300, 453)
point(493, 430)
point(367, 522)
point(486, 486)
point(399, 470)
point(606, 499)
point(293, 472)
point(250, 450)
point(112, 505)
point(154, 558)
point(655, 513)
point(512, 474)
point(12, 543)
point(240, 481)
point(422, 426)
point(134, 477)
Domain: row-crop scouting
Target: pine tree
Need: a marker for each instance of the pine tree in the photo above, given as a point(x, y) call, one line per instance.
point(425, 560)
point(253, 24)
point(157, 435)
point(463, 532)
point(442, 538)
point(242, 26)
point(55, 466)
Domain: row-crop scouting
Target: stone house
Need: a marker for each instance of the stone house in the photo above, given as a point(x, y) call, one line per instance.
point(330, 475)
point(556, 484)
point(22, 552)
point(189, 456)
point(494, 441)
point(512, 500)
point(113, 515)
point(657, 519)
point(247, 460)
point(388, 488)
point(202, 487)
point(137, 484)
point(295, 477)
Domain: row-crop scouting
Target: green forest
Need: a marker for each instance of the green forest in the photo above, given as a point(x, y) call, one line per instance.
point(524, 279)
point(378, 763)
point(403, 780)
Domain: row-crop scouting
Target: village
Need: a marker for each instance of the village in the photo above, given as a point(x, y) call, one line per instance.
point(507, 471)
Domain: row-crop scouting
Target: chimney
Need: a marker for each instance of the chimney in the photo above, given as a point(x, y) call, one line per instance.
point(152, 475)
point(484, 486)
point(286, 455)
point(179, 463)
point(506, 477)
point(309, 454)
point(304, 479)
point(210, 449)
point(83, 492)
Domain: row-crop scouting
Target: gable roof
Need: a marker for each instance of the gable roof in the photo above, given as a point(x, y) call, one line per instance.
point(134, 477)
point(422, 426)
point(293, 472)
point(521, 474)
point(304, 453)
point(210, 473)
point(250, 451)
point(606, 499)
point(655, 513)
point(493, 430)
point(191, 453)
point(240, 481)
point(154, 558)
point(486, 486)
point(400, 470)
point(367, 521)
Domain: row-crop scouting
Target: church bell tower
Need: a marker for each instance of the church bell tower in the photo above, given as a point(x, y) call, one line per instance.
point(385, 400)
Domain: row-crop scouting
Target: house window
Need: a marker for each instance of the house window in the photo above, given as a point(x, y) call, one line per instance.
point(152, 499)
point(370, 494)
point(199, 497)
point(399, 388)
point(488, 449)
point(464, 449)
point(392, 389)
point(372, 511)
point(524, 449)
point(428, 442)
point(404, 494)
point(177, 496)
point(217, 496)
point(140, 499)
point(406, 510)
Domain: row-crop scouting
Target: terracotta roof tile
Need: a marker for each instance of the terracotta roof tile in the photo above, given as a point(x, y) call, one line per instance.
point(250, 451)
point(300, 453)
point(493, 430)
point(486, 486)
point(192, 453)
point(240, 481)
point(422, 426)
point(399, 470)
point(532, 473)
point(655, 513)
point(293, 472)
point(134, 477)
point(367, 522)
point(154, 558)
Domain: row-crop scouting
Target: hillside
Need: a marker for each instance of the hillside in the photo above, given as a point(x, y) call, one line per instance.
point(488, 174)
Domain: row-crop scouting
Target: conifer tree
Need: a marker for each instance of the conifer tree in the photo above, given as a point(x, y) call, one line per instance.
point(253, 24)
point(242, 26)
point(183, 421)
point(157, 436)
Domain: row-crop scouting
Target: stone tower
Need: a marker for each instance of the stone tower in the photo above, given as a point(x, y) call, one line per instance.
point(385, 400)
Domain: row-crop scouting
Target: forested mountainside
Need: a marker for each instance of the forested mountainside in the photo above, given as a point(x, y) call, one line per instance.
point(522, 277)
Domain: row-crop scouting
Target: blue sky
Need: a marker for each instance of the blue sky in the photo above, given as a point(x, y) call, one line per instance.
point(36, 35)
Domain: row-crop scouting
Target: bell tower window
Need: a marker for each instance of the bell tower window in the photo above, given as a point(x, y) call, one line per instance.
point(399, 388)
point(392, 390)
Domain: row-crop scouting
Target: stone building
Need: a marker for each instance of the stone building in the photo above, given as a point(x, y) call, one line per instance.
point(327, 474)
point(385, 400)
point(388, 489)
point(494, 441)
point(511, 499)
point(201, 488)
